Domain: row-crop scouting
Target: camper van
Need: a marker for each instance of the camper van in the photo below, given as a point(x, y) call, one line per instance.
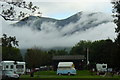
point(101, 67)
point(16, 67)
point(66, 68)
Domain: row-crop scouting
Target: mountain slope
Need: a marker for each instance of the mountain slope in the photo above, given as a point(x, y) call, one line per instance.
point(51, 33)
point(79, 22)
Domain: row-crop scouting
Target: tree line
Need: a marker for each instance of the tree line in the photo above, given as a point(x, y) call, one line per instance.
point(101, 51)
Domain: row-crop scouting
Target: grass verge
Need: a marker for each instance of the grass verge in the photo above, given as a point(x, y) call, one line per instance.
point(83, 74)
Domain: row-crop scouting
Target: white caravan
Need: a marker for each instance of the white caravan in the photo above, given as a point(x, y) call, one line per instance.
point(101, 67)
point(17, 67)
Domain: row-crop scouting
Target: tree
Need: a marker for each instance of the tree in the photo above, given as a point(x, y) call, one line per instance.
point(57, 52)
point(9, 11)
point(9, 50)
point(9, 41)
point(11, 53)
point(36, 57)
point(80, 48)
point(101, 51)
point(116, 11)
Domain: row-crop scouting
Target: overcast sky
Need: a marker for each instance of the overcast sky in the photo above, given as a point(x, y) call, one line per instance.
point(61, 9)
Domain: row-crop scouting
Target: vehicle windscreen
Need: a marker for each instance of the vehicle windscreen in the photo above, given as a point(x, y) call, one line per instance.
point(64, 68)
point(19, 66)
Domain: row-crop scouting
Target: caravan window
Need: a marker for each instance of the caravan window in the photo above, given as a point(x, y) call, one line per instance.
point(7, 66)
point(104, 66)
point(19, 66)
point(11, 66)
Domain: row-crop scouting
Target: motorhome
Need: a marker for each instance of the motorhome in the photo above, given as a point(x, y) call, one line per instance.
point(15, 66)
point(66, 68)
point(101, 67)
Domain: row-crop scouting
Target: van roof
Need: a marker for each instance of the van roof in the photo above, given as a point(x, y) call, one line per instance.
point(21, 62)
point(12, 62)
point(7, 61)
point(65, 64)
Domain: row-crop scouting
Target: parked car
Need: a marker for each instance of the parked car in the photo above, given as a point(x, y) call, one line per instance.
point(27, 71)
point(7, 74)
point(45, 68)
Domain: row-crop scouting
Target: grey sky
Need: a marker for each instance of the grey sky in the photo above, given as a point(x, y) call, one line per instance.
point(65, 8)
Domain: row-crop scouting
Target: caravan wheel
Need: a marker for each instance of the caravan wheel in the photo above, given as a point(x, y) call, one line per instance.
point(59, 73)
point(69, 73)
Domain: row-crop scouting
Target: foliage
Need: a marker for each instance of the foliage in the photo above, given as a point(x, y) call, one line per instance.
point(9, 50)
point(11, 53)
point(102, 51)
point(10, 13)
point(35, 58)
point(9, 41)
point(80, 48)
point(58, 52)
point(116, 12)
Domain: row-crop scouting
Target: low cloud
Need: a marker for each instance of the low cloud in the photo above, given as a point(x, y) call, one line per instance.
point(50, 36)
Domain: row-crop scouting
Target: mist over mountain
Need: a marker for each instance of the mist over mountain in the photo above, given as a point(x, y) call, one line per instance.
point(76, 23)
point(47, 32)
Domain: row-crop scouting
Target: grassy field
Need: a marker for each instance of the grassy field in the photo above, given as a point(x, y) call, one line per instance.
point(80, 74)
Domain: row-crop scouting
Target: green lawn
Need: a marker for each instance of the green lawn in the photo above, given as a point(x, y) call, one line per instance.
point(80, 74)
